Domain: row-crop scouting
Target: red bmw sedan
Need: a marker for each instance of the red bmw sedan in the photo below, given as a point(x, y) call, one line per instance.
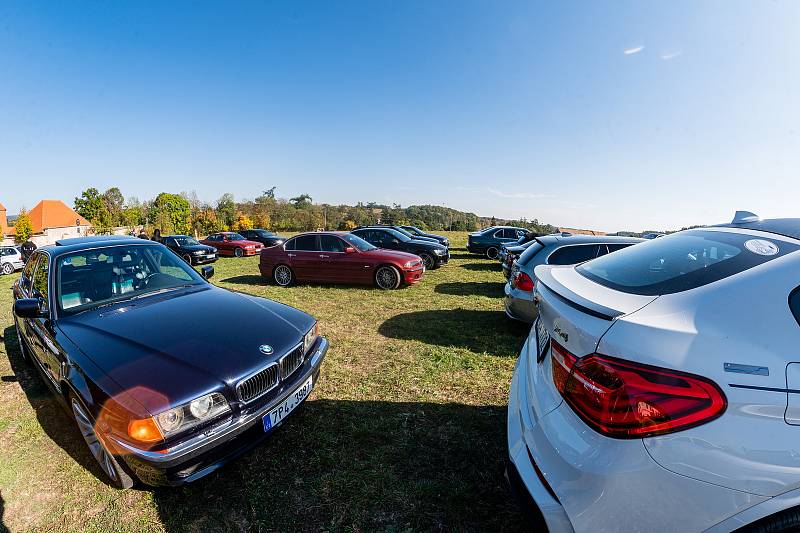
point(230, 243)
point(338, 257)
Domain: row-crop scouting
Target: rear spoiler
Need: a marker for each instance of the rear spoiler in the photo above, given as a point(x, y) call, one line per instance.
point(545, 277)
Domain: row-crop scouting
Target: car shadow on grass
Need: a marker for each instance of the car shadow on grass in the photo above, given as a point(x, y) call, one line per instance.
point(490, 289)
point(490, 332)
point(463, 255)
point(486, 266)
point(50, 414)
point(246, 279)
point(3, 528)
point(341, 465)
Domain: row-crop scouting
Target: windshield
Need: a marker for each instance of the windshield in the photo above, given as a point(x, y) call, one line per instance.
point(186, 241)
point(682, 261)
point(402, 237)
point(235, 237)
point(92, 278)
point(358, 242)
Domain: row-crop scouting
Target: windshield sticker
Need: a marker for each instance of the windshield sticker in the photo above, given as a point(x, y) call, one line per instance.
point(761, 247)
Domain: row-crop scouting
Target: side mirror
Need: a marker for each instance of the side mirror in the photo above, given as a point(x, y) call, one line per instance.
point(349, 250)
point(29, 308)
point(207, 272)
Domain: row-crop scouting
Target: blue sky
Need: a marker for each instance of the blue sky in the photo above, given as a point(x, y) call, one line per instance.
point(605, 115)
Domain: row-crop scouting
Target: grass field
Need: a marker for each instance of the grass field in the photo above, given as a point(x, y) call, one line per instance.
point(405, 430)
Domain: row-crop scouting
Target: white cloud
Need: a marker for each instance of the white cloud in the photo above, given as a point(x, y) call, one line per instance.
point(631, 51)
point(503, 194)
point(670, 55)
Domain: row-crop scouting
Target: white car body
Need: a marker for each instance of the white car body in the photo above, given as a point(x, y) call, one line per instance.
point(738, 331)
point(10, 255)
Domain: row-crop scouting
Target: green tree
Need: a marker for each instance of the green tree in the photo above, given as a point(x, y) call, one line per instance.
point(23, 226)
point(301, 202)
point(226, 209)
point(113, 201)
point(171, 213)
point(90, 204)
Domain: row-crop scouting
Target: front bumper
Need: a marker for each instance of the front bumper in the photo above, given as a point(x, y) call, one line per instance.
point(441, 260)
point(519, 305)
point(202, 260)
point(212, 448)
point(411, 277)
point(603, 484)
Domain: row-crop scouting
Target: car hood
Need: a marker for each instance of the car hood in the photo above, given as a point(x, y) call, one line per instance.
point(392, 254)
point(427, 244)
point(169, 348)
point(197, 248)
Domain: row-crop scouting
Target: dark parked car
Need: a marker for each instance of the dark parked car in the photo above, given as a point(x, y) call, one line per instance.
point(502, 254)
point(403, 231)
point(231, 243)
point(166, 375)
point(433, 254)
point(489, 240)
point(267, 238)
point(511, 254)
point(190, 250)
point(339, 258)
point(416, 232)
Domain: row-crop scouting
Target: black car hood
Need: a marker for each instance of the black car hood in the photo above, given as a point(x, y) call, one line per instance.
point(196, 248)
point(170, 348)
point(427, 245)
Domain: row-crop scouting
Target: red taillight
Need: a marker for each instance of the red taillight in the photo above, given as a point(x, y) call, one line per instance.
point(523, 282)
point(622, 399)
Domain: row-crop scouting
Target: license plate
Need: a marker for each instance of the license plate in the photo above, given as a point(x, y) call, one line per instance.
point(542, 340)
point(276, 416)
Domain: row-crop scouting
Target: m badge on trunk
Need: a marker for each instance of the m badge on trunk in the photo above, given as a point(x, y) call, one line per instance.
point(266, 349)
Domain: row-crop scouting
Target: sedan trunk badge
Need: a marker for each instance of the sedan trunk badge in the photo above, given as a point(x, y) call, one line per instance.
point(266, 349)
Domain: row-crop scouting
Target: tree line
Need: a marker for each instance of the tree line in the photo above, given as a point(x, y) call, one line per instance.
point(185, 213)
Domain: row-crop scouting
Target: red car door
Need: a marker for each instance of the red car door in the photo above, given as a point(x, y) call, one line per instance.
point(306, 259)
point(341, 266)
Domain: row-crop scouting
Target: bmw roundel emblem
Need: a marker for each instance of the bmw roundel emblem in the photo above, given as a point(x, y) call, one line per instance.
point(266, 349)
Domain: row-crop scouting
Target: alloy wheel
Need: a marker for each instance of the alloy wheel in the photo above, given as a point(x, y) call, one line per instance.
point(491, 253)
point(8, 268)
point(387, 278)
point(238, 252)
point(97, 448)
point(283, 275)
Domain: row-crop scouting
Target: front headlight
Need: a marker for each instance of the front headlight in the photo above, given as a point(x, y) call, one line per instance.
point(439, 251)
point(411, 264)
point(198, 252)
point(191, 414)
point(310, 338)
point(213, 250)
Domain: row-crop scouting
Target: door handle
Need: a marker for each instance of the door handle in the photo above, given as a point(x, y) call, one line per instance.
point(323, 256)
point(291, 255)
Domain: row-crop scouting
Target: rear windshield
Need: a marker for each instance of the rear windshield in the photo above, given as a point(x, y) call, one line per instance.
point(529, 252)
point(682, 261)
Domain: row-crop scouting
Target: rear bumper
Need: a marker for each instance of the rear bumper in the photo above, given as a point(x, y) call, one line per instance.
point(207, 452)
point(604, 484)
point(519, 305)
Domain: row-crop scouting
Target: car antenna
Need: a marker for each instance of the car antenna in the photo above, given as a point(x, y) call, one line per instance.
point(742, 217)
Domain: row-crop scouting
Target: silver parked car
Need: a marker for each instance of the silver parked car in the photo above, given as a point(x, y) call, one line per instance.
point(559, 249)
point(10, 259)
point(659, 389)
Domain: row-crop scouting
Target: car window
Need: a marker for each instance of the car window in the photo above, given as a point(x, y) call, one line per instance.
point(27, 274)
point(213, 238)
point(40, 279)
point(682, 261)
point(96, 277)
point(306, 243)
point(358, 242)
point(289, 245)
point(794, 304)
point(571, 255)
point(618, 246)
point(331, 243)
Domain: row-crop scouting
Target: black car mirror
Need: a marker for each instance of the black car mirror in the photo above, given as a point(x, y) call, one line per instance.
point(207, 272)
point(30, 308)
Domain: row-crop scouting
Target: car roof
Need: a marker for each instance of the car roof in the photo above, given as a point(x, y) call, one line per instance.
point(563, 240)
point(787, 227)
point(77, 244)
point(339, 233)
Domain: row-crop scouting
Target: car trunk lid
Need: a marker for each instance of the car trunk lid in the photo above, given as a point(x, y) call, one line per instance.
point(575, 312)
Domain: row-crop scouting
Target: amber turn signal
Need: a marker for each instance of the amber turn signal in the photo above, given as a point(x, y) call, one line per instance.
point(144, 430)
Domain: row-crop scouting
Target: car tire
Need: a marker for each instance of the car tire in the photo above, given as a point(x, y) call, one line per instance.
point(8, 269)
point(282, 275)
point(428, 260)
point(238, 252)
point(187, 258)
point(492, 252)
point(387, 278)
point(783, 522)
point(115, 474)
